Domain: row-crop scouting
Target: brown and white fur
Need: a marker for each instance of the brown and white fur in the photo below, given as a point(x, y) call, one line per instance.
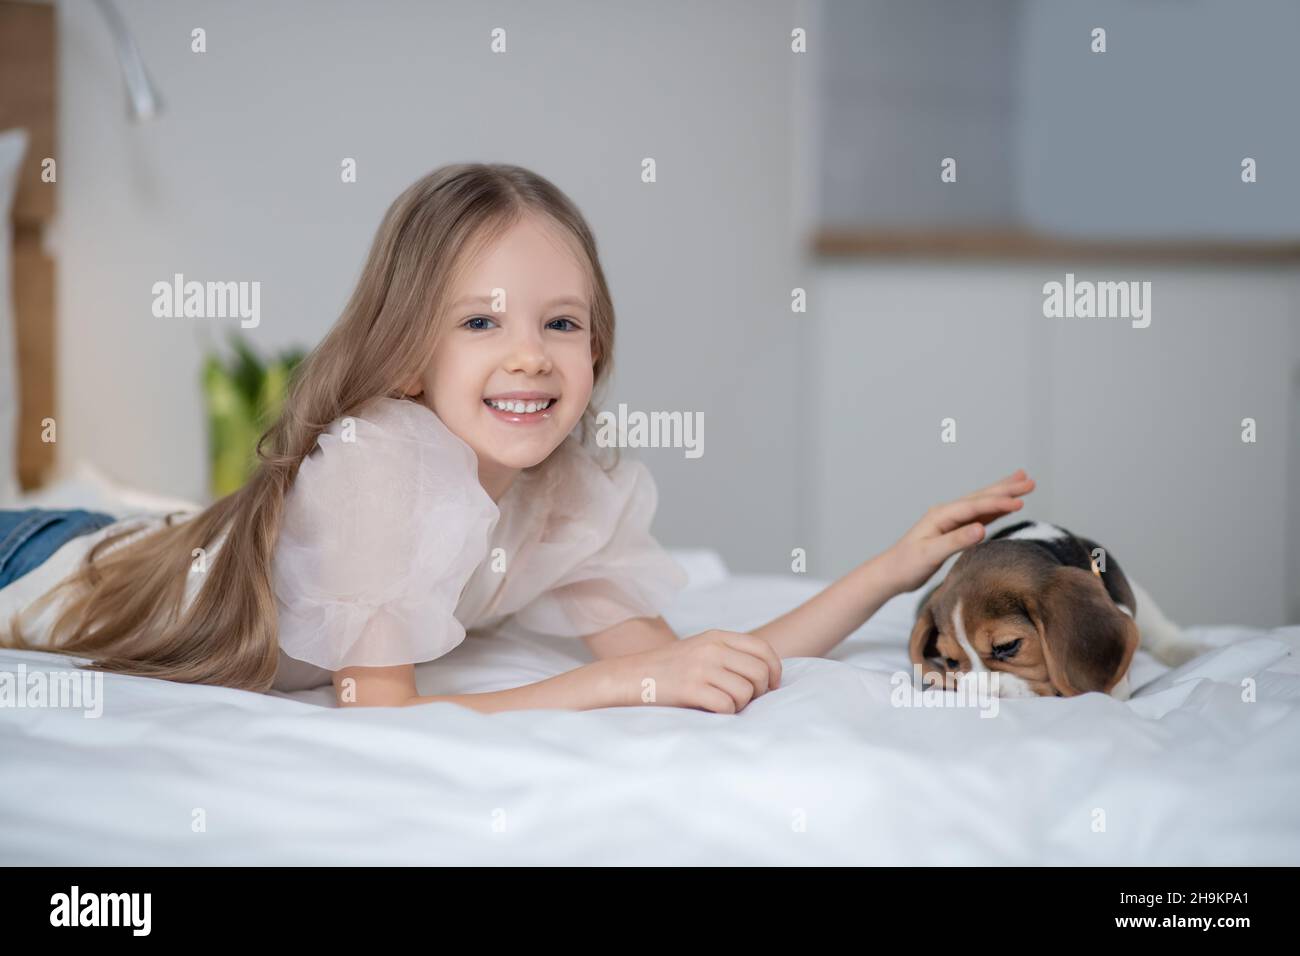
point(1033, 605)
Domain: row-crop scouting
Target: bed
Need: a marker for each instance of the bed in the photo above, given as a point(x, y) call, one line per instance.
point(838, 766)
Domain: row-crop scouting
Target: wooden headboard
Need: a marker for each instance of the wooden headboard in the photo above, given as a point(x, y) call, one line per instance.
point(28, 99)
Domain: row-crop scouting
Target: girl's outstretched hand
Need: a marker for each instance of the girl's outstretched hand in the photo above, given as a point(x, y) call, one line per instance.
point(948, 528)
point(718, 671)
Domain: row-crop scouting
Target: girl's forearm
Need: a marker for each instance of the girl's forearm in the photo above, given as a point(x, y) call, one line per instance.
point(583, 688)
point(821, 622)
point(810, 630)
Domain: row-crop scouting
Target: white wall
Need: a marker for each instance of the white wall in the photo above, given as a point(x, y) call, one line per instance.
point(1147, 139)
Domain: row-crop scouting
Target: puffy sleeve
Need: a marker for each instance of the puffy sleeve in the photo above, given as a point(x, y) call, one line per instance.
point(612, 568)
point(382, 528)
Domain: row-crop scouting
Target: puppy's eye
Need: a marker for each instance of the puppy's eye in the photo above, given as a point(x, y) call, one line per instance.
point(1002, 652)
point(952, 663)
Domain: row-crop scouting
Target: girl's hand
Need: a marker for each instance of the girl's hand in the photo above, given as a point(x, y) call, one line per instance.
point(718, 671)
point(948, 528)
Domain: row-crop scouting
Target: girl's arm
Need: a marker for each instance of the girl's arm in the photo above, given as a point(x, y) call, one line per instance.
point(631, 637)
point(717, 671)
point(583, 688)
point(821, 622)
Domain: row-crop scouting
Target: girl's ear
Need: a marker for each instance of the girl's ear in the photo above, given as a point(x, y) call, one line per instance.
point(413, 388)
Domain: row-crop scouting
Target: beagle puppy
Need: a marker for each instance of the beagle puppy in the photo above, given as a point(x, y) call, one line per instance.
point(1034, 605)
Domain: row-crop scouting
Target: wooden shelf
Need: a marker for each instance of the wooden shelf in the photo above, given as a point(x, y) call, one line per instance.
point(1020, 245)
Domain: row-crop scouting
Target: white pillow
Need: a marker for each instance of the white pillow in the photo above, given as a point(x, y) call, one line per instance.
point(88, 487)
point(13, 144)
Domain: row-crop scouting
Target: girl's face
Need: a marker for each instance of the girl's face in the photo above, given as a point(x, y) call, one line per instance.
point(520, 333)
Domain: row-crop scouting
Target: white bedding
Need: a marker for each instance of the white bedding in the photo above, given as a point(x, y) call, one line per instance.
point(822, 771)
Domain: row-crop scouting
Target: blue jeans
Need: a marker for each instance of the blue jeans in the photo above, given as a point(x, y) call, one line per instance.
point(28, 537)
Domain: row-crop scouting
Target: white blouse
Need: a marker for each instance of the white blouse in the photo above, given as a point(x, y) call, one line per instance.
point(390, 550)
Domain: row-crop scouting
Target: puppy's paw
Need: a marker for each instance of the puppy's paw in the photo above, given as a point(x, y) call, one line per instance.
point(1175, 653)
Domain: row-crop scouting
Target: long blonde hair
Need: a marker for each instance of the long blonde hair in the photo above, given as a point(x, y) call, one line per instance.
point(127, 611)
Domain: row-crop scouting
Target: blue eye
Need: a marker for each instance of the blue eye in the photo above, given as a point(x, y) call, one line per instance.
point(468, 323)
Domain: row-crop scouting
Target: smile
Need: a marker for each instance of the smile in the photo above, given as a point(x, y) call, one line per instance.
point(518, 411)
point(518, 406)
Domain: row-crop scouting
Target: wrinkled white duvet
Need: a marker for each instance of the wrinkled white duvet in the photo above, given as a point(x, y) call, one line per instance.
point(828, 769)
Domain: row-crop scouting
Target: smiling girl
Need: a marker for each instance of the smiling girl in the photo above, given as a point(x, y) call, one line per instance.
point(432, 473)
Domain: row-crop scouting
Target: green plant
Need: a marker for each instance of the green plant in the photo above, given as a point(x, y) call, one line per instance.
point(244, 395)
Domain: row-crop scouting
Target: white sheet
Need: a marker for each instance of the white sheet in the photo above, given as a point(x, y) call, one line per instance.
point(822, 771)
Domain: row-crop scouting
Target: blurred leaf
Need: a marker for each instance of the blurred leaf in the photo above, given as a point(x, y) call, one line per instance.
point(244, 395)
point(249, 369)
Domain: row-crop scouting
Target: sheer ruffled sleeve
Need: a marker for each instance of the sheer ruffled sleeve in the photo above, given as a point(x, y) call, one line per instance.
point(613, 569)
point(382, 527)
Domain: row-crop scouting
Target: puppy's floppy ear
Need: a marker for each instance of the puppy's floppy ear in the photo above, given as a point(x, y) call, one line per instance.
point(1088, 642)
point(924, 633)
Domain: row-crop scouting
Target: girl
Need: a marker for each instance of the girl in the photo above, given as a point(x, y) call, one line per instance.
point(424, 478)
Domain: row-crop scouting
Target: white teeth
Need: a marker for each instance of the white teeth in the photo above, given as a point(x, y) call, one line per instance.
point(521, 407)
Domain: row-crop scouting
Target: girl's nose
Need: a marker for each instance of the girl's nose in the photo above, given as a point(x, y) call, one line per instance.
point(528, 353)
